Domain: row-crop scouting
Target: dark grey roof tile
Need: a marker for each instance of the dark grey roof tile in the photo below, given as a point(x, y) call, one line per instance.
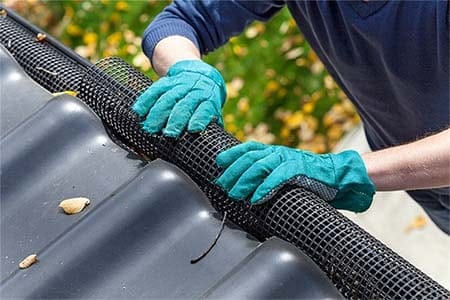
point(61, 151)
point(20, 95)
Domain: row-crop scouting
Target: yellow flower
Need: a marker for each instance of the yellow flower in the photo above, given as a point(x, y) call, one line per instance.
point(231, 127)
point(115, 17)
point(293, 121)
point(316, 96)
point(282, 92)
point(234, 40)
point(272, 86)
point(121, 6)
point(243, 105)
point(239, 51)
point(239, 135)
point(308, 107)
point(104, 27)
point(335, 132)
point(90, 38)
point(229, 118)
point(301, 62)
point(74, 30)
point(313, 56)
point(114, 39)
point(327, 120)
point(69, 11)
point(285, 132)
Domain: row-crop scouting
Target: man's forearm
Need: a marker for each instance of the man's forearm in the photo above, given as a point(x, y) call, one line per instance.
point(171, 50)
point(418, 165)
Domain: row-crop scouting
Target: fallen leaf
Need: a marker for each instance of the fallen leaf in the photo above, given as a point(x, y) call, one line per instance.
point(40, 37)
point(74, 205)
point(28, 261)
point(418, 222)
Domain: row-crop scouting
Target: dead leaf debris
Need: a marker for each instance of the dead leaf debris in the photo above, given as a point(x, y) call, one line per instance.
point(74, 205)
point(28, 261)
point(40, 37)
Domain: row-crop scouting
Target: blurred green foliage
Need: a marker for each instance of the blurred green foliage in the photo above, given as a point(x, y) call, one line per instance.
point(278, 90)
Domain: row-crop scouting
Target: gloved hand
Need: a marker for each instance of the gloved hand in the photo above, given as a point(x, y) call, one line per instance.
point(256, 169)
point(190, 95)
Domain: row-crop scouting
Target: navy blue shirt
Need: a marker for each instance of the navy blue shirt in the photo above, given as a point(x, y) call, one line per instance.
point(390, 57)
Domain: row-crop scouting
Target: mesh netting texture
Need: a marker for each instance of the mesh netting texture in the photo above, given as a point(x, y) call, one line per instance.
point(51, 69)
point(359, 265)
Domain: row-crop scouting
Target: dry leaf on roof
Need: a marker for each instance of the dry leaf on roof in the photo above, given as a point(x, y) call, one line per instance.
point(40, 37)
point(74, 205)
point(28, 261)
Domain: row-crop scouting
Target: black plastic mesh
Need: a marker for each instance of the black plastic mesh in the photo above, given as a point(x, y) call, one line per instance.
point(359, 265)
point(51, 69)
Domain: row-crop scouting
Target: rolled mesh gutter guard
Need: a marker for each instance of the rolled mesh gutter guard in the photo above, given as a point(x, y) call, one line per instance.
point(359, 265)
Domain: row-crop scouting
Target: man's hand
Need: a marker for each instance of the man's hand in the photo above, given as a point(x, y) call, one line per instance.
point(190, 96)
point(254, 169)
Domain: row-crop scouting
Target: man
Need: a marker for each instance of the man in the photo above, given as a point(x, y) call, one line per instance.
point(390, 58)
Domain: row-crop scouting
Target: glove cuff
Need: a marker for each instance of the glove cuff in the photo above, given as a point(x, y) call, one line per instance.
point(356, 189)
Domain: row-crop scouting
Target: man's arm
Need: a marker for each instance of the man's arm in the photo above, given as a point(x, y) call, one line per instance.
point(208, 24)
point(171, 50)
point(418, 165)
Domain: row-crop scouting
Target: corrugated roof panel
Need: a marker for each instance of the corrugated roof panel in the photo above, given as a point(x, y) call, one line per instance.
point(145, 223)
point(20, 95)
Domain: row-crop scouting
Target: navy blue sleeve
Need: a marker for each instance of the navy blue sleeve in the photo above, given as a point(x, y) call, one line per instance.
point(209, 23)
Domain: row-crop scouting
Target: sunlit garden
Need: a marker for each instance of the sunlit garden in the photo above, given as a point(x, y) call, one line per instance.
point(278, 90)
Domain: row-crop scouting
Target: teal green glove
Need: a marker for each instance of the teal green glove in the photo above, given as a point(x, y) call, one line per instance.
point(256, 169)
point(190, 95)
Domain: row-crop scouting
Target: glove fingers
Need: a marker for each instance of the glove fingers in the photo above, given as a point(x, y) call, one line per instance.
point(202, 116)
point(254, 176)
point(227, 157)
point(232, 174)
point(182, 113)
point(148, 98)
point(280, 174)
point(159, 113)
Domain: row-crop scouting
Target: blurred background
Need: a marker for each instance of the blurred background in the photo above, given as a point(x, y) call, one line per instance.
point(278, 92)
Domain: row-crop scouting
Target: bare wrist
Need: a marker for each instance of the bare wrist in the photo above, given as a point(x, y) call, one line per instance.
point(171, 50)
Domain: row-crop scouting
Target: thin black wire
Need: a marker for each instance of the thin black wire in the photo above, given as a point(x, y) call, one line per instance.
point(201, 256)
